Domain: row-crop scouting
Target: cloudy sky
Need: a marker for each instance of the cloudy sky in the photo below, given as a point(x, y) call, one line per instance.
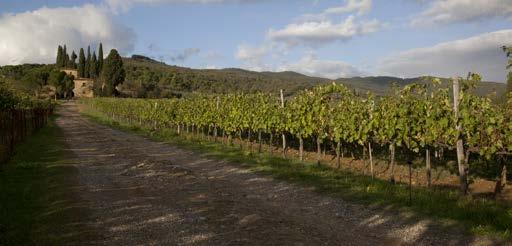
point(327, 38)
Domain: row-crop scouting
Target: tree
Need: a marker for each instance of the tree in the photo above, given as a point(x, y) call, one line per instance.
point(88, 63)
point(93, 71)
point(113, 73)
point(68, 62)
point(55, 79)
point(100, 58)
point(59, 59)
point(68, 85)
point(36, 78)
point(65, 57)
point(62, 82)
point(81, 64)
point(73, 59)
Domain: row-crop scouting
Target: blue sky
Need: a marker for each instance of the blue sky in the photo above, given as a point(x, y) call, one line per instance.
point(327, 38)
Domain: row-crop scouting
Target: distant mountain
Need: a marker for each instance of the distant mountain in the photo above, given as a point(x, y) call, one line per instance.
point(149, 78)
point(145, 59)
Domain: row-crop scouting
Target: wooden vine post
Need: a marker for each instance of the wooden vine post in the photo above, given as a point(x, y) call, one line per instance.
point(282, 134)
point(370, 143)
point(318, 150)
point(504, 174)
point(459, 143)
point(215, 130)
point(371, 159)
point(501, 180)
point(409, 163)
point(392, 162)
point(301, 148)
point(429, 167)
point(338, 153)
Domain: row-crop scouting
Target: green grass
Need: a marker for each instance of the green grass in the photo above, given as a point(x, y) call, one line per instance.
point(476, 216)
point(37, 206)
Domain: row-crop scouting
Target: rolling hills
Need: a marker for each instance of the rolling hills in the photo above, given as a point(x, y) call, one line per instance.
point(147, 78)
point(150, 78)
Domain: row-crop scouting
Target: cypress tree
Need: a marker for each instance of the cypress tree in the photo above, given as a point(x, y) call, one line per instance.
point(65, 57)
point(58, 61)
point(100, 58)
point(93, 66)
point(113, 72)
point(67, 61)
point(88, 63)
point(73, 59)
point(81, 64)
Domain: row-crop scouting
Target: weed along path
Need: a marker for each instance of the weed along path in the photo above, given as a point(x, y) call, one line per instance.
point(145, 192)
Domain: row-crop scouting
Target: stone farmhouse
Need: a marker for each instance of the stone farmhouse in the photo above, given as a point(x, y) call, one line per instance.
point(83, 86)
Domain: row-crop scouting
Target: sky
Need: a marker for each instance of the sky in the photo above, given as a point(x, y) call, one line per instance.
point(325, 38)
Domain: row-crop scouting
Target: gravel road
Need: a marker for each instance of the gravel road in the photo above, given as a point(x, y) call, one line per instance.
point(143, 192)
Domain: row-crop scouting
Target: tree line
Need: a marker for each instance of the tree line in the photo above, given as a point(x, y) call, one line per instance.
point(33, 79)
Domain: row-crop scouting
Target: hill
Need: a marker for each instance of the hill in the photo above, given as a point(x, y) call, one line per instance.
point(149, 78)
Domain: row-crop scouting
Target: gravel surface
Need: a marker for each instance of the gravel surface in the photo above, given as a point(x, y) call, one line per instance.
point(143, 192)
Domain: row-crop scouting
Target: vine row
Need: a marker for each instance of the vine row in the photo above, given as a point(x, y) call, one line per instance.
point(419, 117)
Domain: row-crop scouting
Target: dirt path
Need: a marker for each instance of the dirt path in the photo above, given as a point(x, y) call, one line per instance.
point(142, 192)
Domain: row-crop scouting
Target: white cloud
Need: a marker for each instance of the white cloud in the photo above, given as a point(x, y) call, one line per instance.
point(183, 55)
point(311, 30)
point(213, 55)
point(33, 37)
point(316, 33)
point(252, 57)
point(211, 67)
point(332, 69)
point(125, 5)
point(359, 6)
point(481, 54)
point(452, 11)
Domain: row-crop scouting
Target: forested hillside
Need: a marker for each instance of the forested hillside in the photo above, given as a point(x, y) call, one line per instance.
point(38, 80)
point(147, 78)
point(153, 79)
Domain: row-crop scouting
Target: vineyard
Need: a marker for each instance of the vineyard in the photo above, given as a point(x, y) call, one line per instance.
point(20, 116)
point(419, 120)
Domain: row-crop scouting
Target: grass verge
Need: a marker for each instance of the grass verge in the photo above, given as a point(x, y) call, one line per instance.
point(37, 206)
point(477, 216)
